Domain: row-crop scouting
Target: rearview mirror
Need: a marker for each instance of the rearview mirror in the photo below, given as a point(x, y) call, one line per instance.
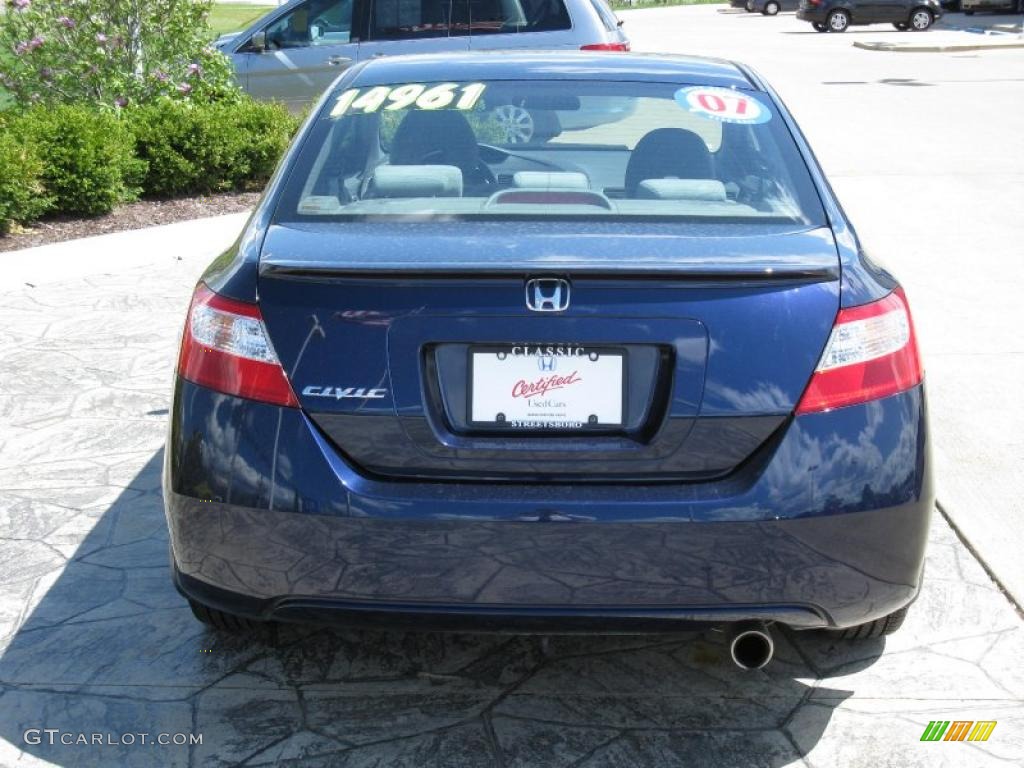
point(259, 42)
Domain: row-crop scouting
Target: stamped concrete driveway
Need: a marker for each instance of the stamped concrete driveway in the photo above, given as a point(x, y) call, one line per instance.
point(96, 641)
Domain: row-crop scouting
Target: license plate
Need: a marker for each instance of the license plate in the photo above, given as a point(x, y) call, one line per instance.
point(522, 388)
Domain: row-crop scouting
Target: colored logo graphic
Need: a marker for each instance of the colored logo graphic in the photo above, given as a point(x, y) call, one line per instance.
point(958, 730)
point(723, 104)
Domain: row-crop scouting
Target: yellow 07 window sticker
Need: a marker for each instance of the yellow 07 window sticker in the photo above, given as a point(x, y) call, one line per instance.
point(394, 97)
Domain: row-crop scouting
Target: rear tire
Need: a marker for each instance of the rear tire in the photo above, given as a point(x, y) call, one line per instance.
point(838, 21)
point(877, 628)
point(223, 622)
point(749, 7)
point(771, 8)
point(920, 19)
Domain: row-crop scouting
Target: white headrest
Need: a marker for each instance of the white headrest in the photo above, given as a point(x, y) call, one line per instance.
point(681, 189)
point(546, 180)
point(416, 181)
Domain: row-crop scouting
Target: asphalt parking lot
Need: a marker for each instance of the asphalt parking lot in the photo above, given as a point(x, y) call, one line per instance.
point(924, 150)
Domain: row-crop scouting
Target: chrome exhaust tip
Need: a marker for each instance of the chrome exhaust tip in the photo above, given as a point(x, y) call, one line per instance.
point(750, 645)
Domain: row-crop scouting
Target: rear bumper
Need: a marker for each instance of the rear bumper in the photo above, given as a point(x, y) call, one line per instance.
point(503, 618)
point(267, 521)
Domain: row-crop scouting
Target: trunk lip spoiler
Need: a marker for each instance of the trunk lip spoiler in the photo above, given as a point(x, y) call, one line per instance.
point(761, 273)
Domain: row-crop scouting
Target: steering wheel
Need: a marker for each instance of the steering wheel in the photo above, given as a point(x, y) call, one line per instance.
point(479, 174)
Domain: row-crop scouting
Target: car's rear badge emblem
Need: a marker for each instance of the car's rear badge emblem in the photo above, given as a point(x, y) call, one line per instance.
point(547, 294)
point(345, 393)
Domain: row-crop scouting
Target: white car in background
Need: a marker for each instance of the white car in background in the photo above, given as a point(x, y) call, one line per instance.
point(293, 53)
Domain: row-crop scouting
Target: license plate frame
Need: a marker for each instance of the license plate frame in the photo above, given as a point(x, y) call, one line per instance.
point(527, 363)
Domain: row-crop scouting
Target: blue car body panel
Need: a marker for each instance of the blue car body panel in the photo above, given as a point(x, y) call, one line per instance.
point(713, 503)
point(261, 506)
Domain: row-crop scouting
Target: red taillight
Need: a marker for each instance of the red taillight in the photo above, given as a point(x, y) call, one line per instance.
point(225, 347)
point(871, 353)
point(623, 46)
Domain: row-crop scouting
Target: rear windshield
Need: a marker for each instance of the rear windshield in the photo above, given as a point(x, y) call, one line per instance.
point(543, 149)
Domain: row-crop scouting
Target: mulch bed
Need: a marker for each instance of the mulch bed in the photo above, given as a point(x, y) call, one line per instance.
point(147, 213)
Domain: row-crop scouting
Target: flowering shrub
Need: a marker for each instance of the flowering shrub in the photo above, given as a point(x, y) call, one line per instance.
point(110, 52)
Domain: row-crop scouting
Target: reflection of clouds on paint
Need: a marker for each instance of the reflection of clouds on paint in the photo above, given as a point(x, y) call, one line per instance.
point(692, 349)
point(855, 469)
point(224, 460)
point(763, 397)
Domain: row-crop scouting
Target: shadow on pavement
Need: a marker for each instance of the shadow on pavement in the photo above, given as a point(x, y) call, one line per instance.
point(112, 652)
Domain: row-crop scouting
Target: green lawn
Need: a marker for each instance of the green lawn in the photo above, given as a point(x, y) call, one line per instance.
point(229, 17)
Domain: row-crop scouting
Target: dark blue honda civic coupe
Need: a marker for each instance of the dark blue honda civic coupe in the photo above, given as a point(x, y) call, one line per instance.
point(634, 375)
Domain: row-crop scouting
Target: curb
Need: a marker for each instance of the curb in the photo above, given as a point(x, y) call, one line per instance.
point(1018, 607)
point(899, 48)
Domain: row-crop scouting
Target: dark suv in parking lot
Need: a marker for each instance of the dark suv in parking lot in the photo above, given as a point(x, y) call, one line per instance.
point(838, 15)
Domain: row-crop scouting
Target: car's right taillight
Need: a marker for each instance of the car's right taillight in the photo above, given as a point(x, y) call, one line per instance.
point(225, 347)
point(871, 353)
point(618, 46)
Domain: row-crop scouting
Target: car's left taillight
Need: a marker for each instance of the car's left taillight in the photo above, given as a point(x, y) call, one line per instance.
point(225, 347)
point(871, 353)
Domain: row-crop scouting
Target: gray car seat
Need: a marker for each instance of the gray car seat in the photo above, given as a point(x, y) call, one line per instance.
point(668, 153)
point(442, 137)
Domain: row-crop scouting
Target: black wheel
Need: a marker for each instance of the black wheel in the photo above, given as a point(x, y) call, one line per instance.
point(224, 622)
point(920, 19)
point(838, 21)
point(819, 27)
point(877, 628)
point(901, 26)
point(749, 7)
point(771, 8)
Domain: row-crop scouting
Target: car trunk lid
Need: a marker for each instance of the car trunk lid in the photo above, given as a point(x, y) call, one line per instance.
point(718, 332)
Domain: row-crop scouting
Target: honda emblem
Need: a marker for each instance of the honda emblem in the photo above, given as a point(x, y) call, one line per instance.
point(547, 294)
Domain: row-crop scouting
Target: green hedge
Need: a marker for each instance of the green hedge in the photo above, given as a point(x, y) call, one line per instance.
point(89, 157)
point(192, 149)
point(81, 160)
point(22, 195)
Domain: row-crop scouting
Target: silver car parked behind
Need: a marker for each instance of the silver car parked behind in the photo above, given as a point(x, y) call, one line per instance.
point(294, 52)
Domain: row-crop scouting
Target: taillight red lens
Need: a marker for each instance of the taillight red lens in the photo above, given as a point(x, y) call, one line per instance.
point(225, 347)
point(871, 353)
point(624, 46)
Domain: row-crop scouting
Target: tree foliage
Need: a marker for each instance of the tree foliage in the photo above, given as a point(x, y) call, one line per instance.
point(110, 52)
